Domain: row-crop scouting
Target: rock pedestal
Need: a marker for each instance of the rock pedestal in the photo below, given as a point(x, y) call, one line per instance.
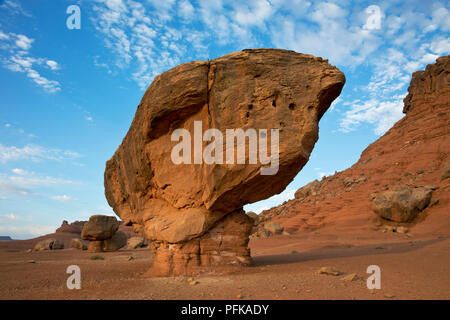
point(179, 206)
point(223, 245)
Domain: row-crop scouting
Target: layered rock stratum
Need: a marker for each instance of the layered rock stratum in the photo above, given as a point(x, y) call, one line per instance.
point(192, 213)
point(392, 181)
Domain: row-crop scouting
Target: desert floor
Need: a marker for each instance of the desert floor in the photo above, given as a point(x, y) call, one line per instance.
point(412, 267)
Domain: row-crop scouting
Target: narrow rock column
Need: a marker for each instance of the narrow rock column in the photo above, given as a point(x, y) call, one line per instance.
point(221, 248)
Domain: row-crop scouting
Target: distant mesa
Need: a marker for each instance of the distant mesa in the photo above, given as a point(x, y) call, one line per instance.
point(5, 238)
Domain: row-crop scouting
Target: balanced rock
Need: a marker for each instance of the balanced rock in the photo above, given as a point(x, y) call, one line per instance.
point(98, 229)
point(402, 204)
point(159, 179)
point(48, 244)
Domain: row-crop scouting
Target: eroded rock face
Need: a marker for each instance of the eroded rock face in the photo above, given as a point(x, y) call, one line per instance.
point(268, 89)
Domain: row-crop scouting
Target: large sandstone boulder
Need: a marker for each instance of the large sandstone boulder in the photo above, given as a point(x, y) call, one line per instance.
point(261, 89)
point(48, 244)
point(402, 204)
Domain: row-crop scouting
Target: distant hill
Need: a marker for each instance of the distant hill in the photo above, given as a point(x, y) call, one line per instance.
point(5, 238)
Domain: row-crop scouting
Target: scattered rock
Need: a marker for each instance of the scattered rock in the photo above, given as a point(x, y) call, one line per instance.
point(135, 242)
point(351, 277)
point(307, 190)
point(193, 282)
point(48, 244)
point(31, 261)
point(402, 229)
point(445, 173)
point(130, 258)
point(273, 228)
point(402, 204)
point(78, 244)
point(332, 271)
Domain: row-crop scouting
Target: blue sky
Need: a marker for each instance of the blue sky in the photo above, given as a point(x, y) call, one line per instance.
point(68, 96)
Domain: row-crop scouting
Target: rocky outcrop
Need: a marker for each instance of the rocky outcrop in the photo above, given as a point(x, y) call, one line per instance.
point(414, 153)
point(179, 205)
point(74, 227)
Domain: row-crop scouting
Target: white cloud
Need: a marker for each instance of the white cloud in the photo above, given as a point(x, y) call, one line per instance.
point(22, 183)
point(23, 42)
point(52, 64)
point(186, 10)
point(19, 171)
point(62, 198)
point(9, 216)
point(35, 153)
point(14, 7)
point(383, 114)
point(18, 59)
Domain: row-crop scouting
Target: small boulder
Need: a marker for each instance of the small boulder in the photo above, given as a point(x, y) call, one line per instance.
point(402, 204)
point(136, 242)
point(118, 240)
point(78, 244)
point(48, 244)
point(273, 228)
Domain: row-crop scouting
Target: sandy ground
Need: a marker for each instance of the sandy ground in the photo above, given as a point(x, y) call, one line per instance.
point(412, 267)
